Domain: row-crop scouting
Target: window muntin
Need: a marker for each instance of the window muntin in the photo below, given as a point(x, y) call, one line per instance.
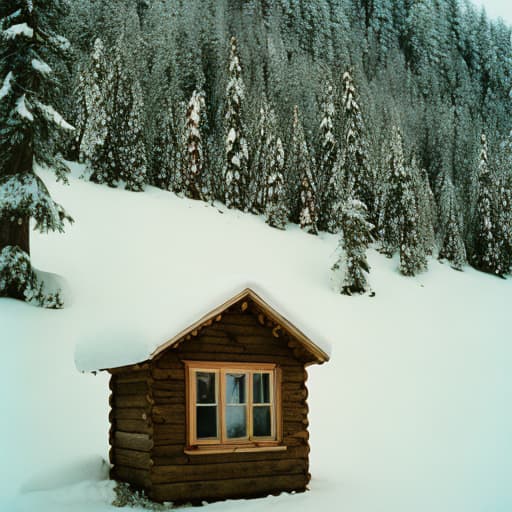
point(243, 409)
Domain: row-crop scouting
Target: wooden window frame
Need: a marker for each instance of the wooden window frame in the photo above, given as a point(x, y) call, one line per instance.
point(222, 444)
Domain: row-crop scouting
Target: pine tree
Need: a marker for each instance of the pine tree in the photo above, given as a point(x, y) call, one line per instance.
point(275, 205)
point(300, 177)
point(391, 210)
point(426, 206)
point(400, 222)
point(135, 161)
point(486, 254)
point(354, 240)
point(236, 168)
point(264, 155)
point(29, 129)
point(452, 246)
point(94, 112)
point(299, 168)
point(356, 171)
point(193, 171)
point(165, 163)
point(329, 167)
point(413, 257)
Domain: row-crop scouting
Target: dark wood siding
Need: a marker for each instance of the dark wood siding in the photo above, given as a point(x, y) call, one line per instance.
point(131, 433)
point(178, 477)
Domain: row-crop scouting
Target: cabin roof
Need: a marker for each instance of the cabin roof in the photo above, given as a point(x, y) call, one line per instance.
point(141, 335)
point(319, 354)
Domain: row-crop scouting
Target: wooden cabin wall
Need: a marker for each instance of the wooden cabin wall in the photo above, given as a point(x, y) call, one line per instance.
point(178, 477)
point(131, 431)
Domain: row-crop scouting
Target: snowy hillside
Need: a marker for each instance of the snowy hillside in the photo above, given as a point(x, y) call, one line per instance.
point(412, 413)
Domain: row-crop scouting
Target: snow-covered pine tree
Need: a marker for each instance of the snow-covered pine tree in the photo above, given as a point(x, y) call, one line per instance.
point(193, 171)
point(237, 156)
point(357, 173)
point(95, 109)
point(164, 159)
point(81, 115)
point(275, 205)
point(300, 177)
point(426, 206)
point(329, 167)
point(452, 246)
point(391, 208)
point(355, 238)
point(413, 256)
point(400, 223)
point(135, 161)
point(299, 168)
point(486, 250)
point(264, 153)
point(29, 128)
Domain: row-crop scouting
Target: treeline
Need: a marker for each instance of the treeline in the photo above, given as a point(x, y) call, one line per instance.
point(271, 120)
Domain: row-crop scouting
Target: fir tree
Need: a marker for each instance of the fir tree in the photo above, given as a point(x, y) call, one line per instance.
point(486, 244)
point(300, 178)
point(329, 168)
point(391, 210)
point(426, 206)
point(193, 171)
point(264, 156)
point(94, 113)
point(356, 169)
point(452, 246)
point(134, 162)
point(236, 169)
point(165, 163)
point(400, 222)
point(413, 257)
point(354, 240)
point(275, 204)
point(29, 127)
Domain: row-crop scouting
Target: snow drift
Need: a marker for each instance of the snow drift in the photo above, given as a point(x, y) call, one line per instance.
point(411, 413)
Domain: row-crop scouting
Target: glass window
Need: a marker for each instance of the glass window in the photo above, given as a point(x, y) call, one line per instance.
point(206, 405)
point(232, 405)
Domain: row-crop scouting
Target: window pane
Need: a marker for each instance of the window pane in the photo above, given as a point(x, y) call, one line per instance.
point(235, 388)
point(261, 388)
point(206, 417)
point(205, 384)
point(261, 420)
point(236, 422)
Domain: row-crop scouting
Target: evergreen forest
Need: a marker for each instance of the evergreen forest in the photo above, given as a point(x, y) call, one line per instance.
point(388, 121)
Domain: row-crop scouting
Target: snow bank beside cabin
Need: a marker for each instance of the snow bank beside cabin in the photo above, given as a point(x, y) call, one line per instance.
point(411, 413)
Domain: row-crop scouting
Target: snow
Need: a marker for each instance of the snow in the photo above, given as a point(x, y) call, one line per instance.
point(41, 66)
point(22, 108)
point(412, 413)
point(53, 116)
point(16, 30)
point(6, 87)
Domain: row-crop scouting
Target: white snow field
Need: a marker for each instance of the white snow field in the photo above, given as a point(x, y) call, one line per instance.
point(412, 413)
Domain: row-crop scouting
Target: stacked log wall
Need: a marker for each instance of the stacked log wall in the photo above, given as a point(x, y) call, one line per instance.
point(180, 477)
point(131, 431)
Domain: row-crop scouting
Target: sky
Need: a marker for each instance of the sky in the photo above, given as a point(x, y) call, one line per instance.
point(497, 8)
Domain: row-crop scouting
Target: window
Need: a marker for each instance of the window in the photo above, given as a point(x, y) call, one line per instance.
point(233, 405)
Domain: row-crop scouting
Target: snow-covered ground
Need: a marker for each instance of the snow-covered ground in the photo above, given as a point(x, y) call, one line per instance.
point(412, 413)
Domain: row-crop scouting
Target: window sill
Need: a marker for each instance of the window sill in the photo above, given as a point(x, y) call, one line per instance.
point(217, 450)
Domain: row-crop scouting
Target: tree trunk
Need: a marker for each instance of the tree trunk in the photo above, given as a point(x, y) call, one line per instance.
point(15, 233)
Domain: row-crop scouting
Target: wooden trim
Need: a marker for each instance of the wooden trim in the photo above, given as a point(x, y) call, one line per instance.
point(234, 449)
point(216, 365)
point(296, 333)
point(220, 369)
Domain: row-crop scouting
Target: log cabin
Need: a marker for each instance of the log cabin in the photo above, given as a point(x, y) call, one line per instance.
point(219, 411)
